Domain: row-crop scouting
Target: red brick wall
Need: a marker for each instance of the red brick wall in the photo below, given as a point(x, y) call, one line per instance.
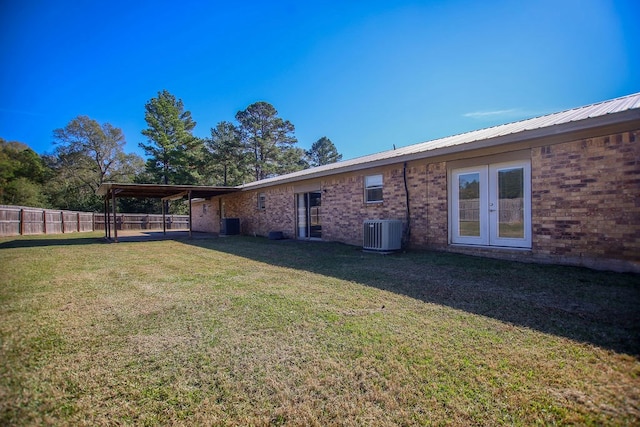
point(585, 204)
point(205, 216)
point(438, 219)
point(278, 215)
point(344, 207)
point(586, 200)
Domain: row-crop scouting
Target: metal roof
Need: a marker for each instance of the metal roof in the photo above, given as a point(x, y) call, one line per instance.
point(607, 112)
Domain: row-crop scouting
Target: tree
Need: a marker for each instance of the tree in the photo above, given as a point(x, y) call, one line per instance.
point(323, 152)
point(265, 137)
point(22, 175)
point(141, 205)
point(88, 154)
point(292, 159)
point(172, 148)
point(225, 160)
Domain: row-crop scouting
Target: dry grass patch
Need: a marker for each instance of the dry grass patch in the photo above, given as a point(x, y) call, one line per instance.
point(253, 332)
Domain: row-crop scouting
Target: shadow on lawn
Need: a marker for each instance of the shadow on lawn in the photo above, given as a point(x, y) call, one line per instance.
point(55, 241)
point(601, 308)
point(75, 239)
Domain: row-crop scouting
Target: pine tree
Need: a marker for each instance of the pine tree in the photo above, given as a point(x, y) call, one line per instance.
point(172, 148)
point(266, 138)
point(225, 160)
point(323, 152)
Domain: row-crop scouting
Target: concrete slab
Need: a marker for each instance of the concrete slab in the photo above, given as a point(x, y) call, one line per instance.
point(152, 235)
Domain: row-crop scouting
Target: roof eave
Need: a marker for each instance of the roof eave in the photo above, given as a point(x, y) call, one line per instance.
point(621, 121)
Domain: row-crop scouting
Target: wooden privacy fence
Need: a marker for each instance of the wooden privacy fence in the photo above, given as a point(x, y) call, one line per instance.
point(510, 210)
point(18, 220)
point(127, 221)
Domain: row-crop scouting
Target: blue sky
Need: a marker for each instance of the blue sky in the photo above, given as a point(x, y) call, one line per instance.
point(366, 74)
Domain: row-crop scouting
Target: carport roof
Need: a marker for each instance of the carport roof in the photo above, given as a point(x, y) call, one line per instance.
point(161, 191)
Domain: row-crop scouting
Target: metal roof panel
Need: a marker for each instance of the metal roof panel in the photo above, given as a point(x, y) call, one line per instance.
point(613, 106)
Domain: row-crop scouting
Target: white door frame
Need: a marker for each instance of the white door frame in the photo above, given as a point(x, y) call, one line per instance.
point(458, 234)
point(487, 232)
point(494, 205)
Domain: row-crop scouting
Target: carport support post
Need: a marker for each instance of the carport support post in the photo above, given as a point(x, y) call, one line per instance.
point(164, 221)
point(190, 236)
point(115, 222)
point(107, 221)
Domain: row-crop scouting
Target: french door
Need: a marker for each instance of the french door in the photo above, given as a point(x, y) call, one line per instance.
point(491, 205)
point(309, 215)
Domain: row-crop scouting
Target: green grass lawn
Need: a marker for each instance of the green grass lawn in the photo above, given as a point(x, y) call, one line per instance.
point(247, 331)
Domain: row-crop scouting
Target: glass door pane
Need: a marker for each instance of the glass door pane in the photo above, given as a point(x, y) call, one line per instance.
point(309, 215)
point(315, 215)
point(302, 216)
point(511, 203)
point(469, 204)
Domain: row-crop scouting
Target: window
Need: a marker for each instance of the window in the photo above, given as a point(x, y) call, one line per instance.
point(373, 189)
point(490, 204)
point(262, 201)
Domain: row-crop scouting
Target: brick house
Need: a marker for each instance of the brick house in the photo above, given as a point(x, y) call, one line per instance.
point(562, 188)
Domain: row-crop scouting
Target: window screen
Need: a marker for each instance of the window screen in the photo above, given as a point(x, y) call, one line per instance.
point(373, 188)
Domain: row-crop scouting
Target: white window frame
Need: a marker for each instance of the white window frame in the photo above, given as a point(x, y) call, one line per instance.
point(261, 201)
point(373, 182)
point(489, 212)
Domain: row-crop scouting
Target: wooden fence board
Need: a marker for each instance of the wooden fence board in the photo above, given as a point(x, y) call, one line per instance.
point(9, 221)
point(127, 221)
point(17, 220)
point(53, 222)
point(32, 221)
point(510, 210)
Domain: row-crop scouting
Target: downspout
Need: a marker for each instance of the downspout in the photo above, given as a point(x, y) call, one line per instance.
point(407, 229)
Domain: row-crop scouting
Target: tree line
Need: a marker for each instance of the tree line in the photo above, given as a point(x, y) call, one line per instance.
point(258, 145)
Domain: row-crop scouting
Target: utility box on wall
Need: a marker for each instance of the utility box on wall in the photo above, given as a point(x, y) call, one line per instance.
point(230, 226)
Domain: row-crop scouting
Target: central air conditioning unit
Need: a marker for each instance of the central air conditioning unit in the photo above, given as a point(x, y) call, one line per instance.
point(230, 226)
point(382, 235)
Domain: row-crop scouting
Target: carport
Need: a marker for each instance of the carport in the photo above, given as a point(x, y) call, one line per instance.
point(111, 190)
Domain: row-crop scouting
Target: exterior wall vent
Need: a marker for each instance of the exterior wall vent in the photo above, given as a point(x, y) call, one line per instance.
point(382, 235)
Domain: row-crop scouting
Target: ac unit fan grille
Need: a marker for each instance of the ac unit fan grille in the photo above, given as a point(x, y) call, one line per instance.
point(382, 235)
